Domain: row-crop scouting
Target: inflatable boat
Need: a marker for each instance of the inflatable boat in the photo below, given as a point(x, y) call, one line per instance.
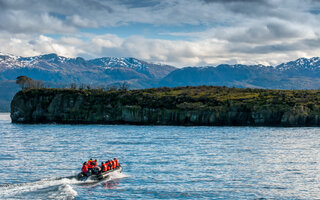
point(99, 176)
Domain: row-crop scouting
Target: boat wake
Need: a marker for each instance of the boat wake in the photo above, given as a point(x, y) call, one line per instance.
point(54, 188)
point(51, 188)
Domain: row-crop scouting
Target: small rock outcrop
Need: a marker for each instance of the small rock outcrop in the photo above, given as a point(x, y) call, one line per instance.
point(204, 105)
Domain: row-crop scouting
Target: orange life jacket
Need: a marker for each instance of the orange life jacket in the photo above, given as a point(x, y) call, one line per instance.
point(94, 163)
point(117, 162)
point(84, 168)
point(90, 164)
point(103, 167)
point(109, 165)
point(113, 164)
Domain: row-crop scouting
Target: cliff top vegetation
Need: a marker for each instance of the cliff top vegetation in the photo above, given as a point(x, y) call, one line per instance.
point(199, 97)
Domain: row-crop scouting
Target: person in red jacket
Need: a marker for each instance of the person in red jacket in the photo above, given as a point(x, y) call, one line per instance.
point(113, 164)
point(95, 163)
point(84, 169)
point(103, 167)
point(90, 165)
point(95, 168)
point(116, 162)
point(109, 165)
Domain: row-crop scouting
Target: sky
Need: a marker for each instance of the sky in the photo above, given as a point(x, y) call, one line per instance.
point(176, 32)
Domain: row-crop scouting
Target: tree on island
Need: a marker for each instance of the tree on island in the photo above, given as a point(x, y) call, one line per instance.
point(124, 86)
point(29, 83)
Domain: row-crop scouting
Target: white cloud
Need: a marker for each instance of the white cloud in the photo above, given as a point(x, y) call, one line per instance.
point(81, 22)
point(247, 32)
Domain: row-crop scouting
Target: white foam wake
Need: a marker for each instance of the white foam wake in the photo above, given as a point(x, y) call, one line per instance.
point(64, 191)
point(118, 175)
point(54, 188)
point(51, 188)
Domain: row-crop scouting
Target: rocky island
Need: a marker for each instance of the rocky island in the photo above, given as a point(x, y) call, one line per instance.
point(202, 105)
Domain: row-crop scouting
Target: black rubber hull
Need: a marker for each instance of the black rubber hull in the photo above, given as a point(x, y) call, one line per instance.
point(99, 176)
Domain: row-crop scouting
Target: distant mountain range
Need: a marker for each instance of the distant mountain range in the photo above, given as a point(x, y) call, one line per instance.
point(104, 71)
point(302, 73)
point(60, 71)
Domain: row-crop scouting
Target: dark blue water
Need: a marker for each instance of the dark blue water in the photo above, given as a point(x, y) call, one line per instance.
point(160, 162)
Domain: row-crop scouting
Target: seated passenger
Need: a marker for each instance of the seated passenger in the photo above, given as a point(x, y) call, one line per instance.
point(113, 164)
point(90, 166)
point(89, 161)
point(116, 162)
point(103, 167)
point(109, 165)
point(95, 163)
point(84, 169)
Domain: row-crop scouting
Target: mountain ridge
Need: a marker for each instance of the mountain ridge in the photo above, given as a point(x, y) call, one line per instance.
point(298, 74)
point(134, 63)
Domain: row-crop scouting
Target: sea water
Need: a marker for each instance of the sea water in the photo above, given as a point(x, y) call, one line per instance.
point(160, 162)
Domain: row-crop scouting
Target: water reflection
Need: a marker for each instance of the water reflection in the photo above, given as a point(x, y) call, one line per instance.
point(112, 184)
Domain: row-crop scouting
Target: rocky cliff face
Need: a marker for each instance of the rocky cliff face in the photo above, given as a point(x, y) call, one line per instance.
point(83, 106)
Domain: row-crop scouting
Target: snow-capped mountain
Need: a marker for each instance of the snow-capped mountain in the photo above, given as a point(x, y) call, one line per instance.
point(54, 68)
point(149, 69)
point(312, 64)
point(80, 70)
point(16, 62)
point(110, 62)
point(302, 73)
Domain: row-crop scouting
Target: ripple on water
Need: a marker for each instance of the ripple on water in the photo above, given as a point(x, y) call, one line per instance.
point(166, 162)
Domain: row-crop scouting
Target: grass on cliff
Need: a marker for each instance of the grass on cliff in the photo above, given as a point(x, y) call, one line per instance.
point(198, 97)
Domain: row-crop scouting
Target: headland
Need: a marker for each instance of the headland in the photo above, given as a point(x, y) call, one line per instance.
point(201, 105)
